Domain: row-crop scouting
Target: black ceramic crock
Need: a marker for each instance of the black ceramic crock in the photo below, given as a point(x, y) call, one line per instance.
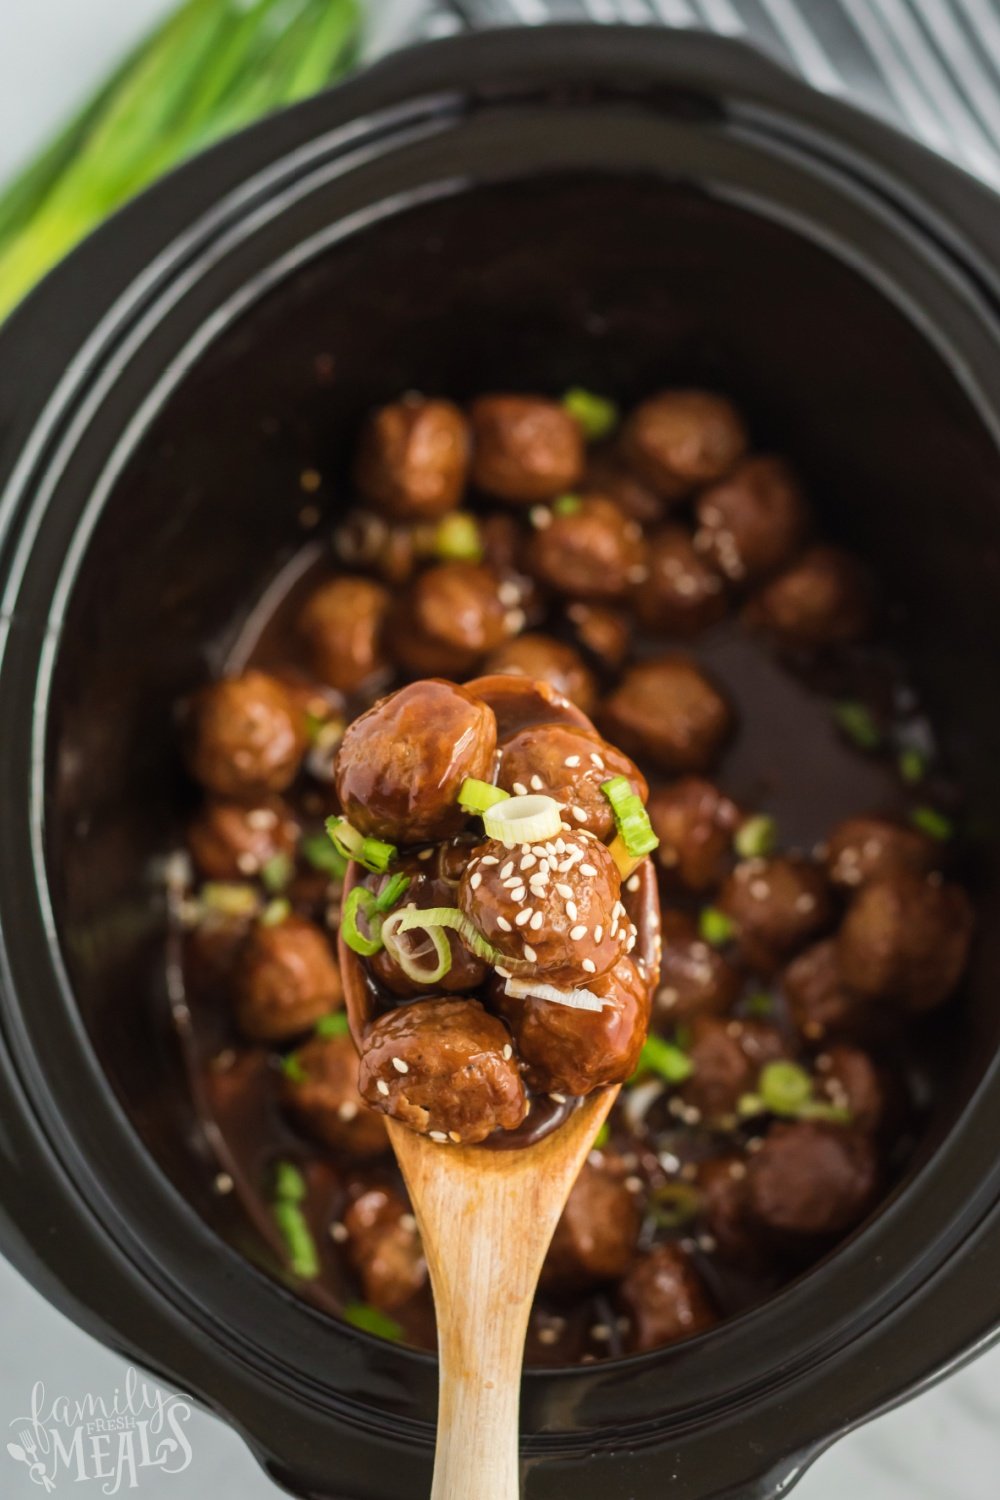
point(603, 206)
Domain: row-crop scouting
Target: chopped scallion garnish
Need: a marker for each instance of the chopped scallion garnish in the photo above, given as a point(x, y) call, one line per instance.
point(289, 1183)
point(229, 899)
point(912, 766)
point(715, 927)
point(276, 912)
point(276, 873)
point(336, 1024)
point(361, 904)
point(664, 1058)
point(457, 538)
point(429, 961)
point(293, 1069)
point(320, 854)
point(523, 820)
point(756, 837)
point(933, 823)
point(477, 796)
point(370, 1320)
point(598, 417)
point(784, 1087)
point(675, 1204)
point(857, 722)
point(567, 505)
point(372, 854)
point(759, 1004)
point(631, 818)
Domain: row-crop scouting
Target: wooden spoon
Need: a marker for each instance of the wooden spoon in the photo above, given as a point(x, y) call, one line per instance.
point(486, 1217)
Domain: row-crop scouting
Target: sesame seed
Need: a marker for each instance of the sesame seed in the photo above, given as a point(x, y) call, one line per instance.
point(536, 921)
point(595, 760)
point(438, 1135)
point(632, 883)
point(633, 1184)
point(565, 891)
point(508, 1052)
point(487, 859)
point(518, 895)
point(453, 1135)
point(400, 1065)
point(572, 761)
point(261, 817)
point(536, 783)
point(408, 1222)
point(504, 973)
point(759, 890)
point(338, 1233)
point(247, 863)
point(347, 1111)
point(707, 1243)
point(547, 1335)
point(524, 916)
point(429, 854)
point(571, 911)
point(598, 933)
point(508, 592)
point(512, 882)
point(589, 870)
point(601, 1333)
point(528, 861)
point(519, 789)
point(738, 1170)
point(578, 932)
point(805, 903)
point(541, 517)
point(223, 1183)
point(504, 925)
point(476, 881)
point(590, 966)
point(383, 1087)
point(507, 870)
point(579, 814)
point(558, 1098)
point(530, 954)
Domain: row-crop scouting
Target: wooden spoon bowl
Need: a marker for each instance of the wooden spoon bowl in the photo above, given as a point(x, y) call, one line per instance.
point(486, 1217)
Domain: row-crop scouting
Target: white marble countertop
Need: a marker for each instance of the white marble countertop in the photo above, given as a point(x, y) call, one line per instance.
point(945, 1443)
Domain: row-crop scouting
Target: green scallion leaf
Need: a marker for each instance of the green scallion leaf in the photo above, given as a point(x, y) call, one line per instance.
point(759, 1004)
point(303, 1258)
point(371, 1320)
point(289, 1183)
point(276, 873)
point(293, 1069)
point(756, 838)
point(858, 723)
point(631, 818)
point(784, 1087)
point(912, 766)
point(320, 854)
point(371, 854)
point(567, 505)
point(477, 796)
point(276, 912)
point(675, 1204)
point(664, 1058)
point(933, 823)
point(457, 538)
point(715, 927)
point(333, 1025)
point(598, 417)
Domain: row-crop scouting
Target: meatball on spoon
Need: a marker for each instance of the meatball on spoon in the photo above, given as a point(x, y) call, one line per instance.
point(487, 1216)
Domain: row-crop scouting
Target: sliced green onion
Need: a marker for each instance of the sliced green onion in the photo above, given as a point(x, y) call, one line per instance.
point(597, 416)
point(631, 818)
point(276, 912)
point(928, 820)
point(228, 899)
point(567, 505)
point(336, 1024)
point(457, 921)
point(784, 1087)
point(361, 903)
point(523, 820)
point(409, 959)
point(759, 1004)
point(756, 837)
point(320, 854)
point(289, 1183)
point(912, 766)
point(715, 927)
point(478, 796)
point(371, 854)
point(370, 1320)
point(457, 538)
point(858, 723)
point(396, 886)
point(276, 873)
point(293, 1069)
point(602, 1137)
point(303, 1258)
point(675, 1204)
point(664, 1058)
point(816, 1109)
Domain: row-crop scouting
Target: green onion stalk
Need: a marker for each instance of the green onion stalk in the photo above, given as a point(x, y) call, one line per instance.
point(213, 67)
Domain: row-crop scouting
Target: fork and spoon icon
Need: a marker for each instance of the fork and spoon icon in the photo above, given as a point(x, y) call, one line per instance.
point(26, 1452)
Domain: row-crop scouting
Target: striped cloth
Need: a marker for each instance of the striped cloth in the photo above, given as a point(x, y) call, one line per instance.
point(931, 67)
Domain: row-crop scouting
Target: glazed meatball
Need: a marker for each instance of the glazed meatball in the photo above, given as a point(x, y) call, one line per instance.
point(665, 1298)
point(341, 627)
point(727, 1057)
point(668, 710)
point(819, 1002)
point(429, 886)
point(811, 1179)
point(722, 1181)
point(694, 979)
point(414, 458)
point(776, 905)
point(576, 1051)
point(681, 439)
point(695, 824)
point(322, 1093)
point(544, 659)
point(563, 916)
point(569, 764)
point(608, 474)
point(682, 593)
point(248, 736)
point(285, 980)
point(861, 850)
point(590, 550)
point(230, 840)
point(823, 599)
point(907, 940)
point(596, 1237)
point(526, 448)
point(603, 633)
point(754, 522)
point(383, 1244)
point(390, 550)
point(852, 1080)
point(446, 1068)
point(450, 617)
point(401, 765)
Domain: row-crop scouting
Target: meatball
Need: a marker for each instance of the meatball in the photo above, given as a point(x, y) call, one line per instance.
point(906, 939)
point(590, 550)
point(248, 736)
point(413, 458)
point(678, 440)
point(754, 522)
point(811, 1179)
point(449, 618)
point(401, 765)
point(722, 1181)
point(727, 1057)
point(695, 824)
point(668, 710)
point(861, 850)
point(230, 840)
point(776, 906)
point(608, 474)
point(819, 1002)
point(390, 550)
point(321, 1091)
point(430, 886)
point(573, 1052)
point(341, 627)
point(383, 1245)
point(596, 1237)
point(852, 1080)
point(445, 1068)
point(526, 448)
point(665, 1298)
point(682, 593)
point(285, 980)
point(544, 659)
point(603, 633)
point(554, 906)
point(694, 978)
point(823, 599)
point(569, 764)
